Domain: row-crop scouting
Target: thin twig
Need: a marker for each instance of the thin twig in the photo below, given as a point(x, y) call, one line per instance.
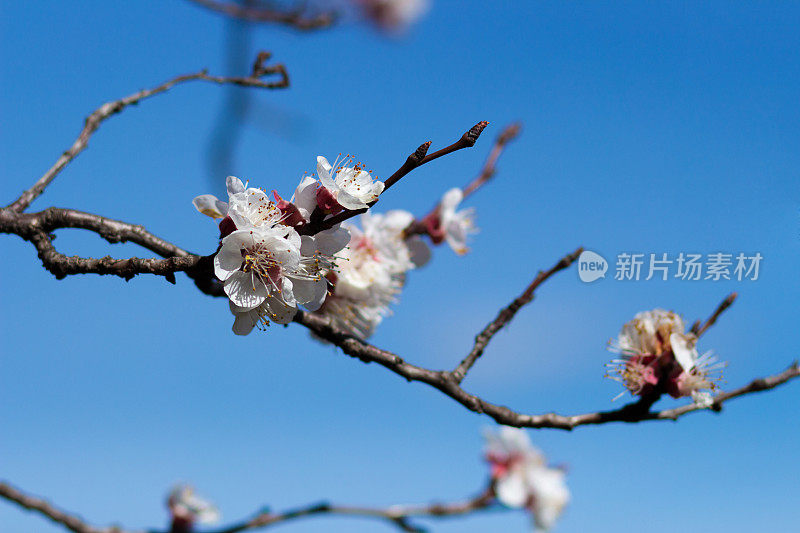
point(698, 330)
point(109, 109)
point(32, 503)
point(420, 226)
point(396, 515)
point(293, 18)
point(757, 385)
point(505, 315)
point(508, 134)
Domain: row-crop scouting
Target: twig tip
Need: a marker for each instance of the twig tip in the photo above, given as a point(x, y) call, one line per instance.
point(474, 132)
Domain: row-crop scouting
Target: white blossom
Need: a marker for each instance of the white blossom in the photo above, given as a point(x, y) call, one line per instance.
point(445, 223)
point(550, 496)
point(522, 477)
point(385, 232)
point(189, 508)
point(352, 187)
point(456, 224)
point(247, 207)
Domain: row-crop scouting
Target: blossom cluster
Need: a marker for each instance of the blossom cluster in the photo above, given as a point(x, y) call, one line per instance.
point(657, 356)
point(522, 479)
point(269, 266)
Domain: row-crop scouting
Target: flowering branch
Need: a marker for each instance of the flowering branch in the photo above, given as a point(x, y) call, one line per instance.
point(109, 109)
point(397, 515)
point(294, 18)
point(448, 383)
point(415, 160)
point(505, 315)
point(37, 227)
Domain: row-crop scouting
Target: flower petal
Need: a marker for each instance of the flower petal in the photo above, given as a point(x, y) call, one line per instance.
point(348, 201)
point(305, 196)
point(512, 490)
point(311, 292)
point(234, 185)
point(209, 205)
point(278, 311)
point(420, 252)
point(244, 323)
point(685, 353)
point(397, 219)
point(323, 167)
point(451, 199)
point(245, 290)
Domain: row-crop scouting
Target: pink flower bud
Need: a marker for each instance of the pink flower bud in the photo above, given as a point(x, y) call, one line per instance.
point(433, 226)
point(290, 214)
point(327, 202)
point(226, 227)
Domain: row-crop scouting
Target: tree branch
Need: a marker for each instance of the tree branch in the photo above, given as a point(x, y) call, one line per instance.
point(71, 522)
point(94, 120)
point(506, 314)
point(34, 227)
point(698, 330)
point(447, 383)
point(62, 266)
point(397, 515)
point(293, 18)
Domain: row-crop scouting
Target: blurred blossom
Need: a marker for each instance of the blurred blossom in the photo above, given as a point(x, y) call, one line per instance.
point(447, 224)
point(392, 15)
point(187, 509)
point(522, 478)
point(656, 356)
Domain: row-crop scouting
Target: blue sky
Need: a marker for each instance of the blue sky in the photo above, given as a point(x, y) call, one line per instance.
point(655, 127)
